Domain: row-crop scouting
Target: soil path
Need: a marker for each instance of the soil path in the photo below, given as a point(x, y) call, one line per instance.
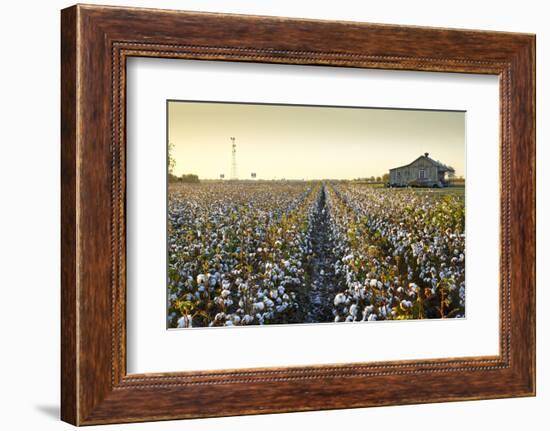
point(323, 282)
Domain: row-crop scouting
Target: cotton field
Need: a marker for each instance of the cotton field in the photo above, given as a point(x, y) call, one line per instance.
point(252, 253)
point(400, 253)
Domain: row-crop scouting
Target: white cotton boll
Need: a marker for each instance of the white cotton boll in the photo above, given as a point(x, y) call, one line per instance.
point(339, 299)
point(281, 308)
point(414, 286)
point(404, 304)
point(353, 309)
point(259, 306)
point(185, 321)
point(201, 278)
point(236, 319)
point(225, 293)
point(228, 323)
point(349, 319)
point(373, 283)
point(372, 317)
point(281, 290)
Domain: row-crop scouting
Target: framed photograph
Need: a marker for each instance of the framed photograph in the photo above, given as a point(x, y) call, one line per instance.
point(329, 214)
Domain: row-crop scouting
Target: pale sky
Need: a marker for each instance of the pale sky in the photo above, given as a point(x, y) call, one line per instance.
point(308, 142)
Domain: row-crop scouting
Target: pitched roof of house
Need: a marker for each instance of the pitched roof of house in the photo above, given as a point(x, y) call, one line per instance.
point(425, 156)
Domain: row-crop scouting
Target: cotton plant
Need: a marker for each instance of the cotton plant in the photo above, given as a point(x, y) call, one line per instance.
point(400, 254)
point(238, 254)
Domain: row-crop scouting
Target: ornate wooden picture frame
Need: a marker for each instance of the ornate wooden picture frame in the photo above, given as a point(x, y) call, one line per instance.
point(96, 41)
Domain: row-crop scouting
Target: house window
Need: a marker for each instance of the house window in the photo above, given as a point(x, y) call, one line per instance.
point(421, 174)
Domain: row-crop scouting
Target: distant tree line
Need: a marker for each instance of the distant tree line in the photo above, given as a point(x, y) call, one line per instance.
point(372, 179)
point(185, 178)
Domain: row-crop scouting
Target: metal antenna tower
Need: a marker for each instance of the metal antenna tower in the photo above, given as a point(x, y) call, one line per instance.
point(233, 158)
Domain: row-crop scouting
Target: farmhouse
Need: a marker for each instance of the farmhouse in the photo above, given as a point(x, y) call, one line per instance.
point(422, 172)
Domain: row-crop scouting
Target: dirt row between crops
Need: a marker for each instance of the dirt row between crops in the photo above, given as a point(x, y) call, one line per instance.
point(323, 282)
